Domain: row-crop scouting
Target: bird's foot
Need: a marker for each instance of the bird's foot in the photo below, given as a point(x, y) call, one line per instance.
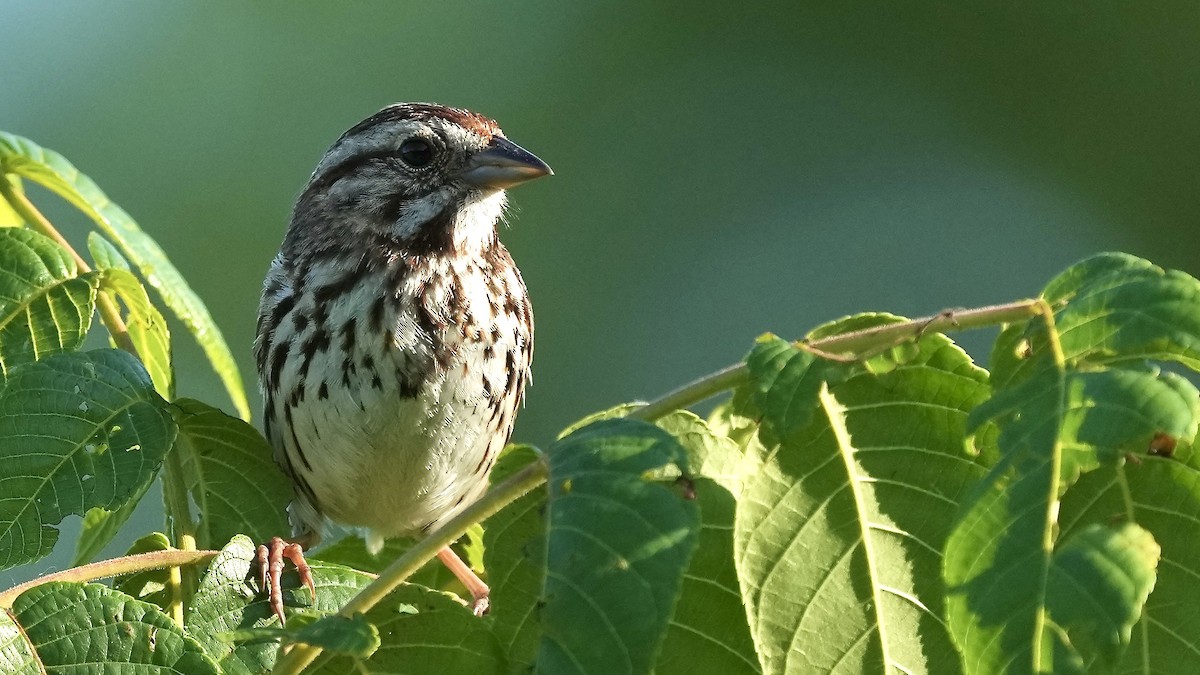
point(270, 570)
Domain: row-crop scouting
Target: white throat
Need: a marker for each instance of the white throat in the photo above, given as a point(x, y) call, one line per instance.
point(474, 226)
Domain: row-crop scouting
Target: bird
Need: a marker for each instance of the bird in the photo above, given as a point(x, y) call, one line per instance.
point(395, 333)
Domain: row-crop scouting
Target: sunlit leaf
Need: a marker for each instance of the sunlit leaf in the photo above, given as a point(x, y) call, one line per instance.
point(25, 158)
point(45, 306)
point(8, 215)
point(840, 524)
point(146, 326)
point(1098, 583)
point(1055, 424)
point(77, 431)
point(709, 624)
point(1163, 496)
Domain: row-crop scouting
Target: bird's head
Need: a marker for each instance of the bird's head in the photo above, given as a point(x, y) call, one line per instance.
point(425, 176)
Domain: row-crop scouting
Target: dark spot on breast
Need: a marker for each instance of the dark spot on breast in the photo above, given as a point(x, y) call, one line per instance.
point(323, 391)
point(317, 342)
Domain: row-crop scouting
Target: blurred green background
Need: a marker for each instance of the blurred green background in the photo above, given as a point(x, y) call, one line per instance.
point(723, 169)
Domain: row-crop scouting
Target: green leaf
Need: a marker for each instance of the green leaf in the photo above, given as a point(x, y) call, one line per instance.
point(8, 215)
point(514, 556)
point(619, 542)
point(78, 628)
point(1122, 308)
point(100, 525)
point(1055, 424)
point(45, 306)
point(351, 551)
point(1163, 496)
point(105, 256)
point(422, 631)
point(228, 601)
point(709, 624)
point(25, 158)
point(785, 381)
point(231, 476)
point(77, 431)
point(1099, 581)
point(840, 524)
point(147, 328)
point(149, 585)
point(336, 634)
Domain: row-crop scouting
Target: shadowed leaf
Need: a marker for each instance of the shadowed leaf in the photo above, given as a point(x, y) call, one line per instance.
point(77, 431)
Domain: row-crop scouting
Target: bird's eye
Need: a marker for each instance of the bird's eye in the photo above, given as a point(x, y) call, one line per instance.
point(416, 152)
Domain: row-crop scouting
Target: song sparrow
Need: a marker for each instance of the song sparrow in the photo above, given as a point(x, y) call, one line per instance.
point(394, 331)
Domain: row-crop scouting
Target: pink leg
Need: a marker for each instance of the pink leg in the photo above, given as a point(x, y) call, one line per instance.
point(270, 569)
point(479, 590)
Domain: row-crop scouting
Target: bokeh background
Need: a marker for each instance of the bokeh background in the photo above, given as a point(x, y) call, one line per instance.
point(723, 168)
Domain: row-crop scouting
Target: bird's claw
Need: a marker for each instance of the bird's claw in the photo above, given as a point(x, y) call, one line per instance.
point(270, 572)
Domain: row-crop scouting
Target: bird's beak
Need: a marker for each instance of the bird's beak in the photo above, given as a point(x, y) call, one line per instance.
point(503, 164)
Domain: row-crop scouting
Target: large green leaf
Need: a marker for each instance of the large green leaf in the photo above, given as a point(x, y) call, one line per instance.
point(709, 624)
point(620, 537)
point(228, 601)
point(90, 629)
point(423, 631)
point(77, 431)
point(1163, 496)
point(1055, 424)
point(23, 157)
point(45, 306)
point(840, 523)
point(514, 556)
point(231, 476)
point(1112, 308)
point(1098, 583)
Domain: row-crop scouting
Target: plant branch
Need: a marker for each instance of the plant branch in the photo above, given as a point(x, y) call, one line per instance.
point(110, 314)
point(182, 528)
point(155, 560)
point(501, 495)
point(854, 345)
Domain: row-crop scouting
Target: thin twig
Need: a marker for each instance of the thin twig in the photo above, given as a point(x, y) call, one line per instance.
point(846, 346)
point(104, 569)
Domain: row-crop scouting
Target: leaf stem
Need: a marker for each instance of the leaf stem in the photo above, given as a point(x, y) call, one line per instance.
point(104, 569)
point(855, 343)
point(501, 495)
point(110, 314)
point(182, 528)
